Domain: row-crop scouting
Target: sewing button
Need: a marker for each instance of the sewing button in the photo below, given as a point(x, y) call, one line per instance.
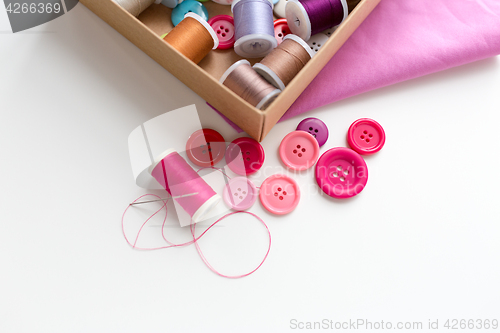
point(281, 29)
point(341, 173)
point(299, 150)
point(244, 156)
point(223, 25)
point(240, 193)
point(279, 194)
point(366, 136)
point(188, 6)
point(279, 8)
point(316, 128)
point(205, 147)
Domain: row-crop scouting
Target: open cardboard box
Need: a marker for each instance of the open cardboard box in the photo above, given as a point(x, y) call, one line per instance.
point(145, 32)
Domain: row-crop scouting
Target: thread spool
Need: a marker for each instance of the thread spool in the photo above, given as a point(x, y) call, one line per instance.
point(254, 27)
point(136, 7)
point(243, 80)
point(170, 3)
point(309, 17)
point(193, 37)
point(284, 62)
point(192, 193)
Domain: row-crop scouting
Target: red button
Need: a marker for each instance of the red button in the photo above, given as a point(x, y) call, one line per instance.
point(279, 194)
point(341, 173)
point(245, 156)
point(366, 136)
point(223, 26)
point(299, 150)
point(281, 29)
point(205, 147)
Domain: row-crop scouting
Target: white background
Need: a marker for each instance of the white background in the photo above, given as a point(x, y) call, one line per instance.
point(420, 242)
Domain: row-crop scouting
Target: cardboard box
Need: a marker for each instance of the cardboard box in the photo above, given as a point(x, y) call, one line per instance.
point(145, 32)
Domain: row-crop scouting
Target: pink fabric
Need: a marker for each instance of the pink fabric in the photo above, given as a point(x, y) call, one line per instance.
point(402, 40)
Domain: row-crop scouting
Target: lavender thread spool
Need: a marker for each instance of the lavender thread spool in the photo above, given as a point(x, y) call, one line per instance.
point(254, 27)
point(179, 179)
point(309, 17)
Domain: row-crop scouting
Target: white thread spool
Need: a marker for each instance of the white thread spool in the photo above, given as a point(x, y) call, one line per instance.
point(136, 7)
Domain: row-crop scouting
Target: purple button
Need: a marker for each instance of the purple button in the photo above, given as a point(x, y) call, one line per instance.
point(316, 128)
point(244, 156)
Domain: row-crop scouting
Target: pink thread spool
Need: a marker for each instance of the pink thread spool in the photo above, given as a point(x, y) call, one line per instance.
point(191, 192)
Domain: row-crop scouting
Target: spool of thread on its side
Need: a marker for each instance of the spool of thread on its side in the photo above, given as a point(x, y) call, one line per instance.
point(243, 80)
point(136, 7)
point(309, 17)
point(193, 37)
point(192, 193)
point(254, 27)
point(284, 62)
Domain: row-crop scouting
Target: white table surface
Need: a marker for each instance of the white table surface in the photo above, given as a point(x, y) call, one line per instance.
point(420, 243)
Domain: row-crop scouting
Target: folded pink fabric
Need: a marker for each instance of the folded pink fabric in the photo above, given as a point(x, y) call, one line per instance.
point(402, 40)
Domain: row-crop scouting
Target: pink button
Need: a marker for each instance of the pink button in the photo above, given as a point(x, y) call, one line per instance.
point(240, 193)
point(245, 156)
point(205, 147)
point(299, 150)
point(223, 26)
point(281, 29)
point(279, 194)
point(366, 136)
point(341, 173)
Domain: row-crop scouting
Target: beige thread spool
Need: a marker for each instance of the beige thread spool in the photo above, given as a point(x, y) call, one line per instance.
point(136, 7)
point(284, 62)
point(243, 80)
point(193, 37)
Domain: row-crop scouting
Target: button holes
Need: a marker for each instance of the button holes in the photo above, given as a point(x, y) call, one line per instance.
point(316, 50)
point(362, 137)
point(316, 130)
point(209, 149)
point(310, 128)
point(342, 178)
point(284, 192)
point(226, 30)
point(365, 132)
point(314, 135)
point(295, 151)
point(303, 150)
point(314, 43)
point(276, 194)
point(222, 27)
point(298, 146)
point(248, 159)
point(223, 35)
point(239, 190)
point(279, 189)
point(319, 45)
point(300, 155)
point(204, 151)
point(241, 197)
point(367, 140)
point(370, 135)
point(346, 172)
point(339, 168)
point(280, 35)
point(335, 174)
point(312, 48)
point(236, 194)
point(202, 146)
point(218, 32)
point(244, 192)
point(281, 198)
point(248, 153)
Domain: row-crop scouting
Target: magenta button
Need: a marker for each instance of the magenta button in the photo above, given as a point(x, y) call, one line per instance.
point(223, 26)
point(341, 173)
point(316, 128)
point(240, 193)
point(299, 150)
point(279, 194)
point(366, 136)
point(245, 156)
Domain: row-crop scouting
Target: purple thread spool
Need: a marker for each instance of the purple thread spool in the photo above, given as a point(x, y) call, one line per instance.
point(309, 17)
point(254, 27)
point(179, 179)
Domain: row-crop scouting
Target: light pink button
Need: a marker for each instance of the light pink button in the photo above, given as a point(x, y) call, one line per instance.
point(279, 194)
point(299, 150)
point(240, 193)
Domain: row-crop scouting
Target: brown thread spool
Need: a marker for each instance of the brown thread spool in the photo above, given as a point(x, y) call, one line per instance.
point(136, 7)
point(193, 37)
point(284, 62)
point(242, 79)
